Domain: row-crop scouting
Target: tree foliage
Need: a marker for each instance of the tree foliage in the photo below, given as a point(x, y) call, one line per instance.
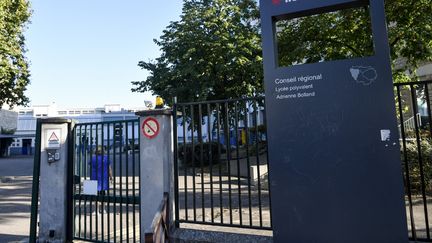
point(410, 36)
point(14, 67)
point(329, 36)
point(212, 52)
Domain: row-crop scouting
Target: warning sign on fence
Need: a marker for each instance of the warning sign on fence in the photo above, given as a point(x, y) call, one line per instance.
point(150, 127)
point(53, 136)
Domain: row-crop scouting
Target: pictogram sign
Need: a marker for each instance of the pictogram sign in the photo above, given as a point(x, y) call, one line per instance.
point(150, 127)
point(53, 136)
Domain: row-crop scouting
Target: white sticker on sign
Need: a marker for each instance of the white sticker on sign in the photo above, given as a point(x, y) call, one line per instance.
point(53, 138)
point(385, 135)
point(90, 187)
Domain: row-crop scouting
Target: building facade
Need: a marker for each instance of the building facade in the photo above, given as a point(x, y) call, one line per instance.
point(8, 119)
point(24, 142)
point(8, 124)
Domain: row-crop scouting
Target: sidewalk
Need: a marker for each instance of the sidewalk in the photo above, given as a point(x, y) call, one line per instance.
point(15, 198)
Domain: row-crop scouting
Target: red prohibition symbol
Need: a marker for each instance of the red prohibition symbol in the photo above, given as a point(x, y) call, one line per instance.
point(150, 127)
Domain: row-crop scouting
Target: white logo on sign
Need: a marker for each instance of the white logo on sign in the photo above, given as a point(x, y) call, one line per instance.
point(385, 135)
point(364, 75)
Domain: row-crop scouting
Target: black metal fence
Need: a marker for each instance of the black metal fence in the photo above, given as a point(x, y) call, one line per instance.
point(221, 165)
point(415, 127)
point(107, 154)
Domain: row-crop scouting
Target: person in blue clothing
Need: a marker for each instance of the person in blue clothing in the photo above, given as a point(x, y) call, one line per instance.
point(102, 172)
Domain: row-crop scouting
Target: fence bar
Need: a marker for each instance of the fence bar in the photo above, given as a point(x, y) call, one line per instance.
point(219, 160)
point(96, 158)
point(35, 183)
point(133, 180)
point(115, 174)
point(105, 166)
point(258, 162)
point(201, 141)
point(210, 157)
point(110, 175)
point(127, 178)
point(139, 181)
point(419, 150)
point(228, 145)
point(121, 180)
point(246, 122)
point(176, 173)
point(193, 162)
point(85, 177)
point(91, 173)
point(184, 161)
point(74, 189)
point(80, 173)
point(236, 112)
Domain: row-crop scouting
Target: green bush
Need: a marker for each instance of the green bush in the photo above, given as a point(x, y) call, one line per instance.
point(412, 157)
point(262, 148)
point(187, 159)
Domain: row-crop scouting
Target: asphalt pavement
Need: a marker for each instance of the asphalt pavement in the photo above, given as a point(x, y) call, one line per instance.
point(15, 198)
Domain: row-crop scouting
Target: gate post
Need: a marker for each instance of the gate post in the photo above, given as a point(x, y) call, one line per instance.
point(55, 217)
point(156, 165)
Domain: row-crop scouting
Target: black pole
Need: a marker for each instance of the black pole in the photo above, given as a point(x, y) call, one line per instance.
point(35, 186)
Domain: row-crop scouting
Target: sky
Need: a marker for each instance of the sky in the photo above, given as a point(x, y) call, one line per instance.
point(84, 53)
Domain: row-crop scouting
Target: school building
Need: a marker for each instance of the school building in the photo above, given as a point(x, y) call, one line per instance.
point(24, 141)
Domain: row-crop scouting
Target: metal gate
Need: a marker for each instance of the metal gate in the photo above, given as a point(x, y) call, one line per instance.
point(106, 181)
point(221, 164)
point(415, 129)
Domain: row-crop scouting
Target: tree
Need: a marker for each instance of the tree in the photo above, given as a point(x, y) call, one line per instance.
point(14, 67)
point(347, 34)
point(212, 52)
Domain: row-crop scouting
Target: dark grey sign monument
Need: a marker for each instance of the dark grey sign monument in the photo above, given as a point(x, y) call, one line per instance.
point(335, 169)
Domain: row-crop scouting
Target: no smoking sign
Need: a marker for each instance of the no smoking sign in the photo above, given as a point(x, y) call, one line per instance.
point(150, 127)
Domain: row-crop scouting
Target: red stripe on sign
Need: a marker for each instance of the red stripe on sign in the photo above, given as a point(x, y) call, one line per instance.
point(148, 125)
